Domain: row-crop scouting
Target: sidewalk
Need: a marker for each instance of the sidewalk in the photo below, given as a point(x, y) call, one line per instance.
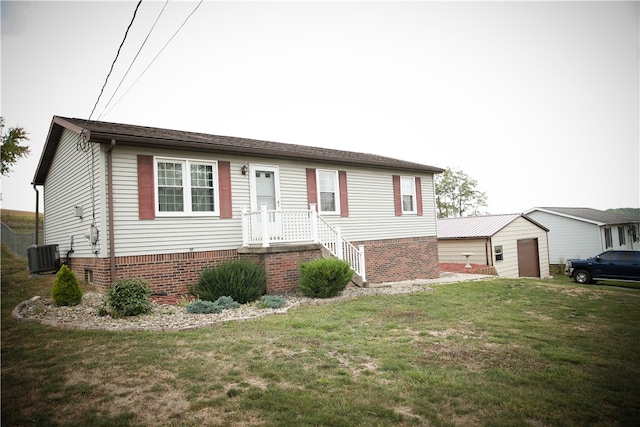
point(445, 277)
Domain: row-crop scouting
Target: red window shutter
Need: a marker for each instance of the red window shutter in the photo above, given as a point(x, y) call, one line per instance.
point(146, 190)
point(224, 183)
point(344, 196)
point(419, 195)
point(312, 188)
point(397, 195)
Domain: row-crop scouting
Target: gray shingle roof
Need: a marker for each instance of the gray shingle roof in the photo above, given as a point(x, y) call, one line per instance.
point(587, 214)
point(143, 136)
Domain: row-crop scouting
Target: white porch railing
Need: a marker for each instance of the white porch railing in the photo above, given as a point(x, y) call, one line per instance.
point(267, 227)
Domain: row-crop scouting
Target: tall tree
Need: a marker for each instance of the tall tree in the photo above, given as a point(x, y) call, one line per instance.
point(457, 194)
point(12, 150)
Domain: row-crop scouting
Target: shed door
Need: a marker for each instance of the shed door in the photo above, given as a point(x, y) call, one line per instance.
point(528, 258)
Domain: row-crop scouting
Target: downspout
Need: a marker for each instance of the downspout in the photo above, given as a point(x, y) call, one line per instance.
point(37, 213)
point(486, 252)
point(112, 249)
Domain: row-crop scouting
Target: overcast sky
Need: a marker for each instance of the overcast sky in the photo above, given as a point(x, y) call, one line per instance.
point(537, 101)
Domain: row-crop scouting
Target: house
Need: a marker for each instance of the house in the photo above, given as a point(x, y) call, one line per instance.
point(514, 244)
point(585, 232)
point(133, 201)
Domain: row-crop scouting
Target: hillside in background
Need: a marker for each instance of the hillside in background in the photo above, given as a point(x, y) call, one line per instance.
point(21, 221)
point(631, 213)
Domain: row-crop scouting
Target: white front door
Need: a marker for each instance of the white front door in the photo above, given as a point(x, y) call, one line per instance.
point(264, 186)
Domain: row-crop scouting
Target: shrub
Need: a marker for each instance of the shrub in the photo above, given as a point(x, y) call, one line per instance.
point(129, 297)
point(227, 303)
point(242, 280)
point(271, 301)
point(66, 289)
point(324, 278)
point(203, 307)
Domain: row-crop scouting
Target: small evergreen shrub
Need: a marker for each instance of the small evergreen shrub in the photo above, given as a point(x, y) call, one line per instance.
point(243, 281)
point(324, 278)
point(227, 303)
point(203, 307)
point(129, 297)
point(271, 301)
point(66, 289)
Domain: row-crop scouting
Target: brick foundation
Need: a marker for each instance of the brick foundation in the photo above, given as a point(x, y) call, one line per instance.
point(388, 260)
point(282, 263)
point(395, 260)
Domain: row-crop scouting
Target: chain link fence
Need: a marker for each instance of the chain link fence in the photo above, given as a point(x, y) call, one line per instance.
point(17, 243)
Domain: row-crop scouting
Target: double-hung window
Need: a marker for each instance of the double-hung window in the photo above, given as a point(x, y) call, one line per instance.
point(328, 191)
point(621, 237)
point(608, 238)
point(187, 187)
point(408, 192)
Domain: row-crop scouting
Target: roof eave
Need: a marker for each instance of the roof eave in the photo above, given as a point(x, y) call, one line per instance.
point(209, 147)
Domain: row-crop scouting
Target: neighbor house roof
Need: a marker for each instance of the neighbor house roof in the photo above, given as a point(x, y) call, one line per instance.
point(143, 136)
point(593, 216)
point(477, 226)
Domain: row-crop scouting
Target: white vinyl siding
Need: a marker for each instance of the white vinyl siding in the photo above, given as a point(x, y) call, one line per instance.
point(69, 184)
point(450, 250)
point(570, 238)
point(371, 208)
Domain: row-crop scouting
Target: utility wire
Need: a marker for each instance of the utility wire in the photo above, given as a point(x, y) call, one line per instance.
point(134, 59)
point(158, 54)
point(83, 145)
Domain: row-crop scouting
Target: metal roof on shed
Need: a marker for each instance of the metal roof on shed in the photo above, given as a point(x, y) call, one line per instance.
point(477, 226)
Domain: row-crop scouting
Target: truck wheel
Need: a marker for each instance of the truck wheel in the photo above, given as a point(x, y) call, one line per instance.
point(582, 276)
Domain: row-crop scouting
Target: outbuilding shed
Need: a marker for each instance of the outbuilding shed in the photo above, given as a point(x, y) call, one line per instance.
point(514, 244)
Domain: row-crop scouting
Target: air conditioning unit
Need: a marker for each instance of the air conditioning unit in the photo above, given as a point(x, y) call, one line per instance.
point(43, 258)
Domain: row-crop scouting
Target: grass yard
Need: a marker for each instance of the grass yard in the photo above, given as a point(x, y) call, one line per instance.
point(503, 352)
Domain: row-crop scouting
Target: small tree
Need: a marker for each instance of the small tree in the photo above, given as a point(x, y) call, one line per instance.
point(66, 289)
point(457, 195)
point(11, 150)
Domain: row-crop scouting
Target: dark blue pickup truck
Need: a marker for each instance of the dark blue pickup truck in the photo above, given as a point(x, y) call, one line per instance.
point(610, 265)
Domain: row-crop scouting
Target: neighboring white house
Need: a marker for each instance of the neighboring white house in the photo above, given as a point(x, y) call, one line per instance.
point(514, 244)
point(585, 232)
point(133, 201)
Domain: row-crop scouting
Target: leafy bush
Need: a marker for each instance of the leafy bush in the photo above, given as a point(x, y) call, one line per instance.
point(66, 289)
point(242, 280)
point(203, 307)
point(271, 301)
point(129, 297)
point(324, 278)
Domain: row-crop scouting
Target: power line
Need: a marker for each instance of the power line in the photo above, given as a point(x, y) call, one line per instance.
point(115, 59)
point(157, 55)
point(134, 60)
point(82, 144)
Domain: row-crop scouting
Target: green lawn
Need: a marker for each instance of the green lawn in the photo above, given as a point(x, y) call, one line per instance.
point(503, 352)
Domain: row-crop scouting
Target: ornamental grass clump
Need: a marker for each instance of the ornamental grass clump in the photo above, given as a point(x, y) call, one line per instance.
point(66, 289)
point(129, 297)
point(324, 278)
point(243, 281)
